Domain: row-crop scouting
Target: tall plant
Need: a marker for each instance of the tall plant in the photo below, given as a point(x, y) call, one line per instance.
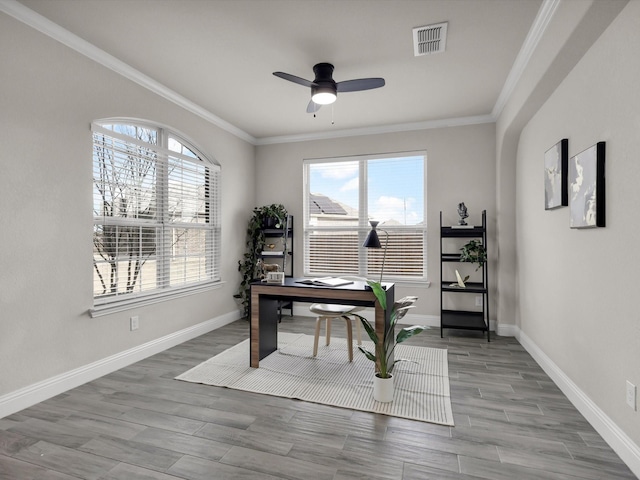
point(267, 215)
point(384, 349)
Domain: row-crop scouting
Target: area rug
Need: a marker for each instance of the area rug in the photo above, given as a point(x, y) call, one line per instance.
point(421, 383)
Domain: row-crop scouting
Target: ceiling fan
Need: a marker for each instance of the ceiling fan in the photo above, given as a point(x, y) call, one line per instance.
point(324, 89)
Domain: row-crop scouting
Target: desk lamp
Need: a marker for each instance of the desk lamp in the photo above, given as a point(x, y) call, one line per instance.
point(372, 241)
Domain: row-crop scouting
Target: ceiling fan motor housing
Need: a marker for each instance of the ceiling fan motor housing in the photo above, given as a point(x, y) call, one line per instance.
point(324, 72)
point(324, 89)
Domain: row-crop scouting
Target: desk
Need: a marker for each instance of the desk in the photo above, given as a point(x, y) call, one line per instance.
point(264, 309)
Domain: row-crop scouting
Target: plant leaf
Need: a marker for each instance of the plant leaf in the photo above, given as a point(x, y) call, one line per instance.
point(402, 311)
point(379, 292)
point(369, 329)
point(367, 354)
point(409, 332)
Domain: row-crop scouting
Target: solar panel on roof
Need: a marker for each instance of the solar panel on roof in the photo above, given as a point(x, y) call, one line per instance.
point(321, 204)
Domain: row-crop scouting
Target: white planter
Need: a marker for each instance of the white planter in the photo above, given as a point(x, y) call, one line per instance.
point(383, 389)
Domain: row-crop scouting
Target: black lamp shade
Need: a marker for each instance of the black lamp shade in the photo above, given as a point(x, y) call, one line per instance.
point(372, 240)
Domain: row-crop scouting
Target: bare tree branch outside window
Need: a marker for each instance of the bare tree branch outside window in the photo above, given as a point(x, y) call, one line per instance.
point(152, 212)
point(126, 183)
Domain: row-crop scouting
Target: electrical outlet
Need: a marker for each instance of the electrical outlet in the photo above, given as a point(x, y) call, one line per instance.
point(135, 323)
point(631, 395)
point(478, 300)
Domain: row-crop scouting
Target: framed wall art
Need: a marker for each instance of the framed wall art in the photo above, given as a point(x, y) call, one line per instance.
point(586, 188)
point(556, 160)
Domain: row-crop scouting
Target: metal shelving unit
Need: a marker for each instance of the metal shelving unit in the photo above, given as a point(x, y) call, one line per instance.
point(463, 319)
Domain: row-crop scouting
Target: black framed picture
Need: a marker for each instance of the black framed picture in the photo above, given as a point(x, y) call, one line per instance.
point(555, 175)
point(586, 188)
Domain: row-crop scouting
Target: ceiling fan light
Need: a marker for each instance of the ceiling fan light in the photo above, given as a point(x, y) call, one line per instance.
point(323, 96)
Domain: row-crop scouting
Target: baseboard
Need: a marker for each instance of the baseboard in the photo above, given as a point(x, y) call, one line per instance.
point(619, 441)
point(25, 397)
point(506, 330)
point(432, 321)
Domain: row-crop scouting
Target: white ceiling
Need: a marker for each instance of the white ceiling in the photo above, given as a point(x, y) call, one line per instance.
point(217, 57)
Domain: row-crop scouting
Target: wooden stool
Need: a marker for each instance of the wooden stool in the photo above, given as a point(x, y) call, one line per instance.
point(328, 312)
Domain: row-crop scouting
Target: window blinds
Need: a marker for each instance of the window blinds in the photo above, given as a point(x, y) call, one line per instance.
point(156, 214)
point(343, 194)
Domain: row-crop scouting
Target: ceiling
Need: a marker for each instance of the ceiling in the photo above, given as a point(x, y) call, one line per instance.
point(216, 57)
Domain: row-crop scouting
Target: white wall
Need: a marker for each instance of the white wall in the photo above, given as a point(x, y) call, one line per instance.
point(50, 95)
point(578, 294)
point(460, 168)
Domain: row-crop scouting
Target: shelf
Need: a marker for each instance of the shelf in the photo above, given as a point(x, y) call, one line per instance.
point(284, 258)
point(471, 287)
point(463, 320)
point(451, 232)
point(275, 255)
point(276, 232)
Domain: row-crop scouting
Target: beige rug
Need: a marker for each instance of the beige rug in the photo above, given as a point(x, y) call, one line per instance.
point(421, 384)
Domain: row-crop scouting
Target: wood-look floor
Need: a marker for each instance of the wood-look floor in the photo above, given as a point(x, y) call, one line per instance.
point(512, 423)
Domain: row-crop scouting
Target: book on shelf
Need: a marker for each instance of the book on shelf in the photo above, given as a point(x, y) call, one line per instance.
point(462, 226)
point(325, 281)
point(272, 252)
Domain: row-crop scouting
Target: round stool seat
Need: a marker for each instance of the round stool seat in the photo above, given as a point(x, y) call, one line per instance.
point(331, 309)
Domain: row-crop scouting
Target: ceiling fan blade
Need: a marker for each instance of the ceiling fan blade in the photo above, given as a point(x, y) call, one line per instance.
point(360, 84)
point(294, 79)
point(313, 107)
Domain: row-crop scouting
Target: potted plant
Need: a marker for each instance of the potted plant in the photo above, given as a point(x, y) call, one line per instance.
point(474, 252)
point(267, 216)
point(383, 380)
point(273, 216)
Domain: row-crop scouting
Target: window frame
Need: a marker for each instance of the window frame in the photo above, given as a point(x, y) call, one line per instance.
point(365, 255)
point(164, 156)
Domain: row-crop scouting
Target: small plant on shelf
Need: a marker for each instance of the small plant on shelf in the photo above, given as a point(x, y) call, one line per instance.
point(273, 216)
point(474, 252)
point(267, 216)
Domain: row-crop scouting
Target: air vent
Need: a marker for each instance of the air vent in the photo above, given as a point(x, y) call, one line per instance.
point(429, 39)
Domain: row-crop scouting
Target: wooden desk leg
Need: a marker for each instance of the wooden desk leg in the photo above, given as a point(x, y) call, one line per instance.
point(254, 331)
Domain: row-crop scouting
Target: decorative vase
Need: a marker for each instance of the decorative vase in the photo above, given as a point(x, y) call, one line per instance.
point(383, 389)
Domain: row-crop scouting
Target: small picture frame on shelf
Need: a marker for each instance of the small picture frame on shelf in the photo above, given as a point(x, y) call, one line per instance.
point(556, 161)
point(586, 188)
point(275, 277)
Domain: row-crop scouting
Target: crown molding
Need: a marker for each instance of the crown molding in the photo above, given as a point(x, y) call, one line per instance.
point(355, 132)
point(539, 26)
point(64, 36)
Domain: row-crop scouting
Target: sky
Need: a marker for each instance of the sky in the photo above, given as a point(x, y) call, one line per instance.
point(395, 186)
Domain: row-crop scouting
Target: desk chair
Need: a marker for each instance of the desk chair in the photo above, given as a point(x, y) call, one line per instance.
point(327, 312)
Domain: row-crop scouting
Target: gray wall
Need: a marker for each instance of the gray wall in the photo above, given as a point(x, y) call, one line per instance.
point(569, 293)
point(460, 167)
point(578, 287)
point(50, 95)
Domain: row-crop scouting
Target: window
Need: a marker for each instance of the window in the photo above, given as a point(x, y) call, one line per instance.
point(156, 214)
point(343, 194)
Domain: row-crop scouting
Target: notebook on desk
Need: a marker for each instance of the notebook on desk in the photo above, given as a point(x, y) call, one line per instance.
point(325, 281)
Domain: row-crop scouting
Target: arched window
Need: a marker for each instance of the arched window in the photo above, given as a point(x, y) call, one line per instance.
point(156, 228)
